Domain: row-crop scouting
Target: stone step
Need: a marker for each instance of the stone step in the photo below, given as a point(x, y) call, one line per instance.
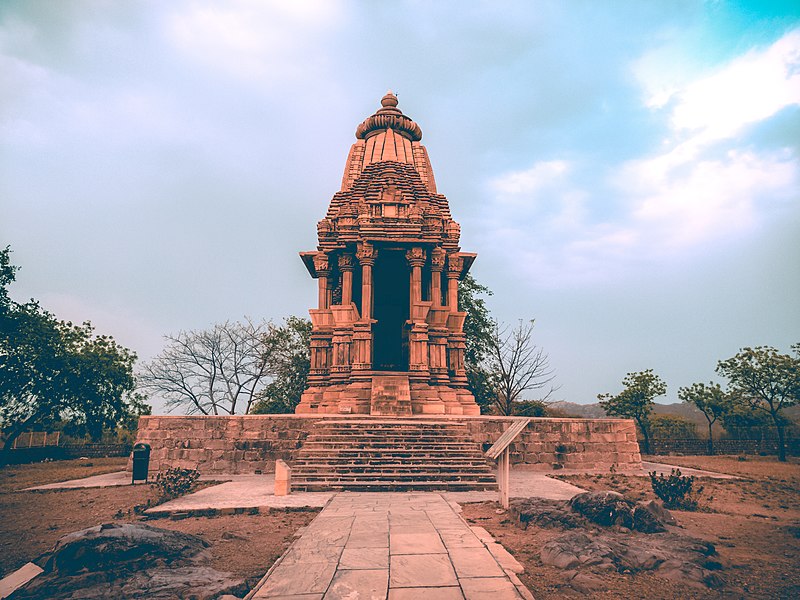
point(391, 454)
point(410, 469)
point(376, 440)
point(388, 463)
point(386, 486)
point(431, 435)
point(396, 477)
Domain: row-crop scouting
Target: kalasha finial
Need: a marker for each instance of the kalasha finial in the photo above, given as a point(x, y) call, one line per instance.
point(389, 100)
point(388, 116)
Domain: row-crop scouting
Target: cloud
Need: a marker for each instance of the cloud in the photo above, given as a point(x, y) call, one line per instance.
point(706, 186)
point(253, 39)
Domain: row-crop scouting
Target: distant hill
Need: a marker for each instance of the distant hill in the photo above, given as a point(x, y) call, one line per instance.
point(687, 411)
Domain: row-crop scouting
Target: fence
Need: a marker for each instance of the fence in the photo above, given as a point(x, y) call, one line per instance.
point(36, 439)
point(24, 455)
point(723, 446)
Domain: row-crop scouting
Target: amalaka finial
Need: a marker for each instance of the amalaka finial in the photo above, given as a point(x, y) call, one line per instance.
point(389, 100)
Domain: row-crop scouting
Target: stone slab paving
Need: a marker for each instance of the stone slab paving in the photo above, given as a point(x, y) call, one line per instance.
point(392, 546)
point(245, 491)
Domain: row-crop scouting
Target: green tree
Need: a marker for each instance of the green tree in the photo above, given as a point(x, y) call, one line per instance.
point(478, 328)
point(768, 381)
point(710, 400)
point(53, 370)
point(290, 371)
point(672, 427)
point(636, 400)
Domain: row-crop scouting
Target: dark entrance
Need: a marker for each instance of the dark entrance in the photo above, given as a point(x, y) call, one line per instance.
point(391, 303)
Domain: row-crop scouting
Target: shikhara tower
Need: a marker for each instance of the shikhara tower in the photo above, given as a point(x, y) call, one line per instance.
point(387, 334)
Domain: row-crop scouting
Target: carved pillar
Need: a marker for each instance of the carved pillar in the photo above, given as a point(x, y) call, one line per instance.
point(346, 267)
point(366, 255)
point(456, 345)
point(455, 265)
point(416, 259)
point(437, 265)
point(323, 271)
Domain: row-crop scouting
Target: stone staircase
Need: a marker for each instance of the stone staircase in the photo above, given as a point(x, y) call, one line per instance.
point(391, 455)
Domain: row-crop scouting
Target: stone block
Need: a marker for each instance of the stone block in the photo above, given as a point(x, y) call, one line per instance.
point(283, 478)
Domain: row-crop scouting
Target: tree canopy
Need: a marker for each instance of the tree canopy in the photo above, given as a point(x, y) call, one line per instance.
point(636, 400)
point(478, 328)
point(52, 370)
point(767, 381)
point(710, 400)
point(290, 370)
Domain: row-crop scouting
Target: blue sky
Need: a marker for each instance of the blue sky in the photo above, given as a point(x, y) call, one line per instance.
point(626, 171)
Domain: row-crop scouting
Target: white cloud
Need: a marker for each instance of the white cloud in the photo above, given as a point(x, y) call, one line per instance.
point(749, 89)
point(706, 187)
point(531, 180)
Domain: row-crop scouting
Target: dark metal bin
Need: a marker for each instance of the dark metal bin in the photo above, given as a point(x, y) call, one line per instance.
point(141, 462)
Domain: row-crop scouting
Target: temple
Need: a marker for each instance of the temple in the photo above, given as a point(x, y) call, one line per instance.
point(387, 335)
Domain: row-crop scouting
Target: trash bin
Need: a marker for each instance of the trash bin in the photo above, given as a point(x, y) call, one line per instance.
point(141, 462)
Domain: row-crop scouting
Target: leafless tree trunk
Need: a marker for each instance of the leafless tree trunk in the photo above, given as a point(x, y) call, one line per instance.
point(215, 371)
point(518, 365)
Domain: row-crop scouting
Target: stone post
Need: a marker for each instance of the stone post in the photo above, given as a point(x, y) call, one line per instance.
point(283, 478)
point(346, 267)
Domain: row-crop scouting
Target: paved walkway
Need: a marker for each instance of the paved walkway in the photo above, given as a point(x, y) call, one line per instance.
point(392, 545)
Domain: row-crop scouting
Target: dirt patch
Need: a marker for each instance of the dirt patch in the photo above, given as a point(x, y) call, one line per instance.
point(753, 522)
point(245, 545)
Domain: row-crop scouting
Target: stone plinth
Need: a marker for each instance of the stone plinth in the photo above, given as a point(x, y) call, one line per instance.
point(246, 444)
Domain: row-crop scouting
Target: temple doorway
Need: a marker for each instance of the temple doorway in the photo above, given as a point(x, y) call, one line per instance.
point(391, 306)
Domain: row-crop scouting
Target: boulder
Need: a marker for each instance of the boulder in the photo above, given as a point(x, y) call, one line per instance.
point(130, 560)
point(545, 513)
point(605, 508)
point(677, 557)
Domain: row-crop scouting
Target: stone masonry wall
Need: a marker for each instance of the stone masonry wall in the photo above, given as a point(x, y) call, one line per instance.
point(246, 444)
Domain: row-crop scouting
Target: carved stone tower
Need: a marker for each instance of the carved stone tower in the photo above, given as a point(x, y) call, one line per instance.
point(387, 335)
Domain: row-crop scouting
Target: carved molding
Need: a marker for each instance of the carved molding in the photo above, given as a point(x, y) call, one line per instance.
point(366, 254)
point(346, 262)
point(415, 256)
point(455, 264)
point(321, 265)
point(437, 259)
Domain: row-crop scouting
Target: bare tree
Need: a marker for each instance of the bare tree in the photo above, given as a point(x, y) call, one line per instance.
point(517, 365)
point(215, 371)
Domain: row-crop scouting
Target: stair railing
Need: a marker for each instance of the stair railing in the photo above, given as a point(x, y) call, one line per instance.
point(501, 452)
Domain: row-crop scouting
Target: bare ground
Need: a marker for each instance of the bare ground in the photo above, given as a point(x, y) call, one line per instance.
point(33, 521)
point(754, 522)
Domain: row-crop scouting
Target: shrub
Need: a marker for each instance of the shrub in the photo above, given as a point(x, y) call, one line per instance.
point(175, 482)
point(675, 490)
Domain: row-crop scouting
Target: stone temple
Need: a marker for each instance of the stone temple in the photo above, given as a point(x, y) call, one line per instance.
point(387, 405)
point(388, 335)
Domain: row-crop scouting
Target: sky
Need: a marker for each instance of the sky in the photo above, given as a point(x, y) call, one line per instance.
point(626, 171)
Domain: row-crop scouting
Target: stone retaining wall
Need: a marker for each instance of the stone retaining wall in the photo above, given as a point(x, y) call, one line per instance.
point(246, 444)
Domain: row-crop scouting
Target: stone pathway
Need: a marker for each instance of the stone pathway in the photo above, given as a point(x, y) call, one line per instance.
point(398, 546)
